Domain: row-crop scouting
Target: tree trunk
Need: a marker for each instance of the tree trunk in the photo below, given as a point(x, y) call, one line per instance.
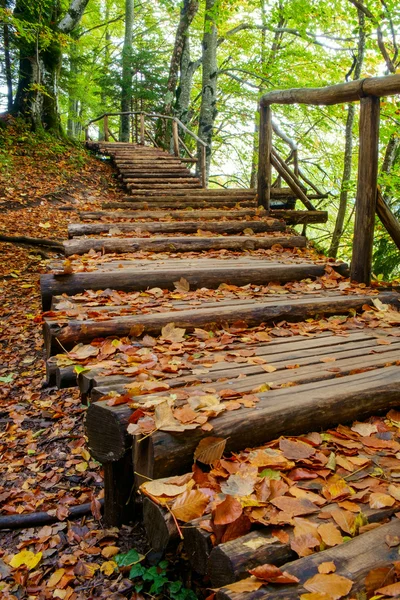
point(188, 11)
point(208, 109)
point(39, 68)
point(7, 63)
point(348, 151)
point(126, 83)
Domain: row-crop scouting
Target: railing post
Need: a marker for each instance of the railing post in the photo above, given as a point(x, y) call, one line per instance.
point(142, 129)
point(203, 166)
point(361, 262)
point(105, 125)
point(264, 157)
point(175, 137)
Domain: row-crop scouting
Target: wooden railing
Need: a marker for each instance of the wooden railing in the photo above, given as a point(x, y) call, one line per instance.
point(141, 130)
point(368, 92)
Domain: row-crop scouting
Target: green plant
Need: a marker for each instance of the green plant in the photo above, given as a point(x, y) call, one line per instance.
point(154, 579)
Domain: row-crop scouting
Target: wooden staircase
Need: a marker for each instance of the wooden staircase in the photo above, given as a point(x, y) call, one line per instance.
point(140, 265)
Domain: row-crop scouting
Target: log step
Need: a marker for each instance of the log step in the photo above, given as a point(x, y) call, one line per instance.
point(205, 204)
point(353, 560)
point(360, 350)
point(75, 331)
point(180, 244)
point(203, 274)
point(77, 229)
point(291, 217)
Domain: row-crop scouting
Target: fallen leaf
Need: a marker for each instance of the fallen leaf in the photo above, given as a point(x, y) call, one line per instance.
point(364, 429)
point(227, 511)
point(190, 505)
point(330, 534)
point(209, 450)
point(273, 574)
point(244, 585)
point(173, 334)
point(182, 285)
point(392, 590)
point(295, 450)
point(26, 558)
point(294, 506)
point(379, 500)
point(162, 487)
point(327, 567)
point(334, 585)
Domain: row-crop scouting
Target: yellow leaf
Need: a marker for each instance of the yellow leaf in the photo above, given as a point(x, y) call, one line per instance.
point(81, 467)
point(26, 558)
point(108, 567)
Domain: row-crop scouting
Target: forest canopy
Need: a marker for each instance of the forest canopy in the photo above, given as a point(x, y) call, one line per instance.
point(207, 62)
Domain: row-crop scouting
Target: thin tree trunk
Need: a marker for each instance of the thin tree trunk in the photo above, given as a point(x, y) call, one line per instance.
point(7, 63)
point(188, 11)
point(208, 109)
point(265, 63)
point(126, 84)
point(348, 151)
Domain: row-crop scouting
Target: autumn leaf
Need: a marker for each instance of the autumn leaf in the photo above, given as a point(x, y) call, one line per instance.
point(331, 584)
point(227, 511)
point(244, 585)
point(26, 558)
point(326, 567)
point(163, 487)
point(239, 484)
point(210, 449)
point(172, 334)
point(295, 450)
point(364, 429)
point(182, 285)
point(392, 590)
point(379, 500)
point(273, 574)
point(190, 505)
point(294, 506)
point(330, 534)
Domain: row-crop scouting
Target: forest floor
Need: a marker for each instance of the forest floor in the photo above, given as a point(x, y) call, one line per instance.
point(44, 463)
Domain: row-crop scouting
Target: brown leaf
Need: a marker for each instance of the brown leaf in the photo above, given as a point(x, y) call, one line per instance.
point(182, 285)
point(244, 585)
point(210, 449)
point(227, 511)
point(136, 330)
point(190, 505)
point(295, 450)
point(304, 544)
point(392, 590)
point(273, 574)
point(327, 567)
point(345, 519)
point(173, 334)
point(330, 534)
point(294, 506)
point(163, 487)
point(239, 484)
point(333, 585)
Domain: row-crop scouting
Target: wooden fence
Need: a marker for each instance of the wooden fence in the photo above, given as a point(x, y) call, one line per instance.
point(368, 200)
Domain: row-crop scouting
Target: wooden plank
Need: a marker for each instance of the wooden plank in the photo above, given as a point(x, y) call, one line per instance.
point(180, 244)
point(291, 216)
point(353, 560)
point(78, 229)
point(83, 331)
point(363, 239)
point(288, 411)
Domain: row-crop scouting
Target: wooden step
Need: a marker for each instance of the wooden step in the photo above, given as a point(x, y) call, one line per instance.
point(353, 560)
point(291, 217)
point(179, 205)
point(180, 244)
point(202, 275)
point(78, 229)
point(359, 350)
point(67, 335)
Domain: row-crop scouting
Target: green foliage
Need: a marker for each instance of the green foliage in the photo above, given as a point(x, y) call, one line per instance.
point(152, 580)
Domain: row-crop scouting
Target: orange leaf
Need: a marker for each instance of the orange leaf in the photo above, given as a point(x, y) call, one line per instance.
point(245, 585)
point(295, 450)
point(392, 590)
point(190, 505)
point(273, 574)
point(327, 567)
point(330, 534)
point(227, 511)
point(333, 585)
